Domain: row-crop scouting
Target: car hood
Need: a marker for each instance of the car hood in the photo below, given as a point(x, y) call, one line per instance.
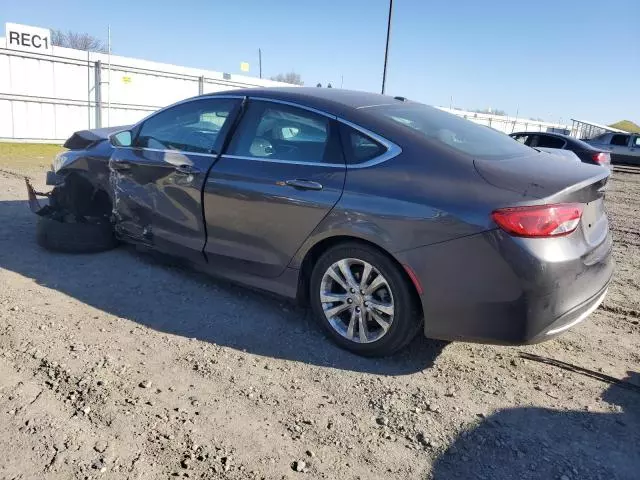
point(84, 138)
point(540, 175)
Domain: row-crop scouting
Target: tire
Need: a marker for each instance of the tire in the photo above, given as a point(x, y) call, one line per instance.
point(74, 237)
point(397, 292)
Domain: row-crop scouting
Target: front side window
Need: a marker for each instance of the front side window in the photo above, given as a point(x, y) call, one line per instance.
point(636, 142)
point(620, 140)
point(280, 132)
point(189, 127)
point(475, 140)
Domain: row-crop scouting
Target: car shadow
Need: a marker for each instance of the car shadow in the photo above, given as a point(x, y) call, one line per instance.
point(154, 292)
point(537, 443)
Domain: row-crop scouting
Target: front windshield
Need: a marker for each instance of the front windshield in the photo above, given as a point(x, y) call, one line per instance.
point(478, 141)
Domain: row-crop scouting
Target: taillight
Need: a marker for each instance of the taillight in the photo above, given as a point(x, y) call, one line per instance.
point(539, 220)
point(602, 158)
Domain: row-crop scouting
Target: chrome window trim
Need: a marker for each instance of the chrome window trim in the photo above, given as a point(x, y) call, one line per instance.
point(166, 150)
point(186, 100)
point(290, 162)
point(295, 105)
point(393, 150)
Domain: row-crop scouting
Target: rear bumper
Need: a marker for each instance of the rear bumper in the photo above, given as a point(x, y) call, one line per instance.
point(472, 293)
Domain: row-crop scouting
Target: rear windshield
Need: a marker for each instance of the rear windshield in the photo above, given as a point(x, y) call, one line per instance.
point(478, 141)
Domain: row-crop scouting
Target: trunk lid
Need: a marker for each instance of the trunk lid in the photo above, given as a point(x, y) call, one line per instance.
point(538, 180)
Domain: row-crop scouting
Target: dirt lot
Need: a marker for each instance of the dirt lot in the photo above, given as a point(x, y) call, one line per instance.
point(119, 366)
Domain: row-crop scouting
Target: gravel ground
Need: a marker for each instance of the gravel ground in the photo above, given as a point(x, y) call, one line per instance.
point(120, 366)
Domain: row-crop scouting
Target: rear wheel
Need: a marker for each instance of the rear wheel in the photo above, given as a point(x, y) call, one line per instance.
point(363, 300)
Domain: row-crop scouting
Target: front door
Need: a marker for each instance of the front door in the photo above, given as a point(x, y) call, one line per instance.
point(157, 182)
point(281, 175)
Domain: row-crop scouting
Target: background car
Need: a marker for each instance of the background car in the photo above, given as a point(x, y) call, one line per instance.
point(385, 216)
point(585, 152)
point(624, 148)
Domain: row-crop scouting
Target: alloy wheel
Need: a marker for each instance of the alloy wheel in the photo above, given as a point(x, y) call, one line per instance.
point(357, 300)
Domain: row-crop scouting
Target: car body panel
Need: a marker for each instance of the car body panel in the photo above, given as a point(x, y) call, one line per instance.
point(428, 207)
point(255, 221)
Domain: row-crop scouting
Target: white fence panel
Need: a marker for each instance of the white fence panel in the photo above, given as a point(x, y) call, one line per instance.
point(48, 97)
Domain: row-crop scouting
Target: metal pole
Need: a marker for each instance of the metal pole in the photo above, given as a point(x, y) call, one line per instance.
point(98, 92)
point(260, 61)
point(386, 48)
point(109, 77)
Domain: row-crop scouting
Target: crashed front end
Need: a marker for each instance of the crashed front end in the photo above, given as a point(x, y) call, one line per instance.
point(80, 180)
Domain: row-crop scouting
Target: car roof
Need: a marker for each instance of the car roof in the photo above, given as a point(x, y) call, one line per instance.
point(329, 100)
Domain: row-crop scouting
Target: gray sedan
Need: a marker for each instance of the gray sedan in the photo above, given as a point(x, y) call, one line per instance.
point(385, 216)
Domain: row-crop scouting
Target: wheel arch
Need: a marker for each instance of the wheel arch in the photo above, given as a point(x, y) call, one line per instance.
point(316, 250)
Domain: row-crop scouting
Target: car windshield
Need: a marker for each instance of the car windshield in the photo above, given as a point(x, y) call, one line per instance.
point(478, 141)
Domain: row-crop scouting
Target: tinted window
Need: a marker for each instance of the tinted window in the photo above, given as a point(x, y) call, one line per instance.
point(463, 135)
point(190, 127)
point(358, 146)
point(280, 132)
point(521, 138)
point(550, 142)
point(621, 140)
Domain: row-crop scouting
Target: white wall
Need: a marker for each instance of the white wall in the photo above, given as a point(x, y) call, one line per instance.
point(506, 124)
point(48, 97)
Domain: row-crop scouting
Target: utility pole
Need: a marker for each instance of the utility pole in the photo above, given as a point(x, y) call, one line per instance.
point(260, 61)
point(386, 48)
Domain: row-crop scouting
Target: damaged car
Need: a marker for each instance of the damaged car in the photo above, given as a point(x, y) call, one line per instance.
point(385, 216)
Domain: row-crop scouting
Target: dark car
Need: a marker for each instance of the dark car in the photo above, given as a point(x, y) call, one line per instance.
point(585, 152)
point(384, 215)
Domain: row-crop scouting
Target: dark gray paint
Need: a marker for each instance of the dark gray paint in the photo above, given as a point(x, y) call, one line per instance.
point(429, 208)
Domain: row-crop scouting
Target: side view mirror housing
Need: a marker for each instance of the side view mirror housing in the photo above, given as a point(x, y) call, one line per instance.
point(121, 139)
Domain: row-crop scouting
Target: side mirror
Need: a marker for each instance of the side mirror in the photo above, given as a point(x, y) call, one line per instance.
point(121, 139)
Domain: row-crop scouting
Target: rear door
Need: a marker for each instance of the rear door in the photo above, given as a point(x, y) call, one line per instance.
point(619, 145)
point(282, 173)
point(158, 180)
point(634, 150)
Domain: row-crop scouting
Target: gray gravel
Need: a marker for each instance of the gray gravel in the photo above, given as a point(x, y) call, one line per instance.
point(118, 365)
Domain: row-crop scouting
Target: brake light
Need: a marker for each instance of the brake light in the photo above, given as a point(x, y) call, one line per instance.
point(540, 220)
point(602, 158)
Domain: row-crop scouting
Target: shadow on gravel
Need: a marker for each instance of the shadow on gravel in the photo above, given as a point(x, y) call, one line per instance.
point(540, 443)
point(182, 302)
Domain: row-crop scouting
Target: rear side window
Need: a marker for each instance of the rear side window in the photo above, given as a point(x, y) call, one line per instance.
point(620, 140)
point(550, 142)
point(475, 140)
point(359, 147)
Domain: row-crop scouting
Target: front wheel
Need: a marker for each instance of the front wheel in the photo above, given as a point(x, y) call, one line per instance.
point(363, 300)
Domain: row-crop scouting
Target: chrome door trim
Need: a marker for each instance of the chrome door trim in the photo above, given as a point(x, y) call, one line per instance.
point(290, 162)
point(295, 105)
point(393, 150)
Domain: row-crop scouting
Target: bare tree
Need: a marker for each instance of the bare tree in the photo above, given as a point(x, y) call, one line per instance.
point(291, 77)
point(79, 41)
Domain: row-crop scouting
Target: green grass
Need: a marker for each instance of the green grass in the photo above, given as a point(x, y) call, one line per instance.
point(627, 126)
point(27, 157)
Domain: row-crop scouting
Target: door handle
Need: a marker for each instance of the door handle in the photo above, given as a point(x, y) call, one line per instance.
point(186, 170)
point(304, 184)
point(120, 165)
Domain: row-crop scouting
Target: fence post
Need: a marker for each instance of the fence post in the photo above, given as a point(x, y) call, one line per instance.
point(201, 85)
point(98, 93)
